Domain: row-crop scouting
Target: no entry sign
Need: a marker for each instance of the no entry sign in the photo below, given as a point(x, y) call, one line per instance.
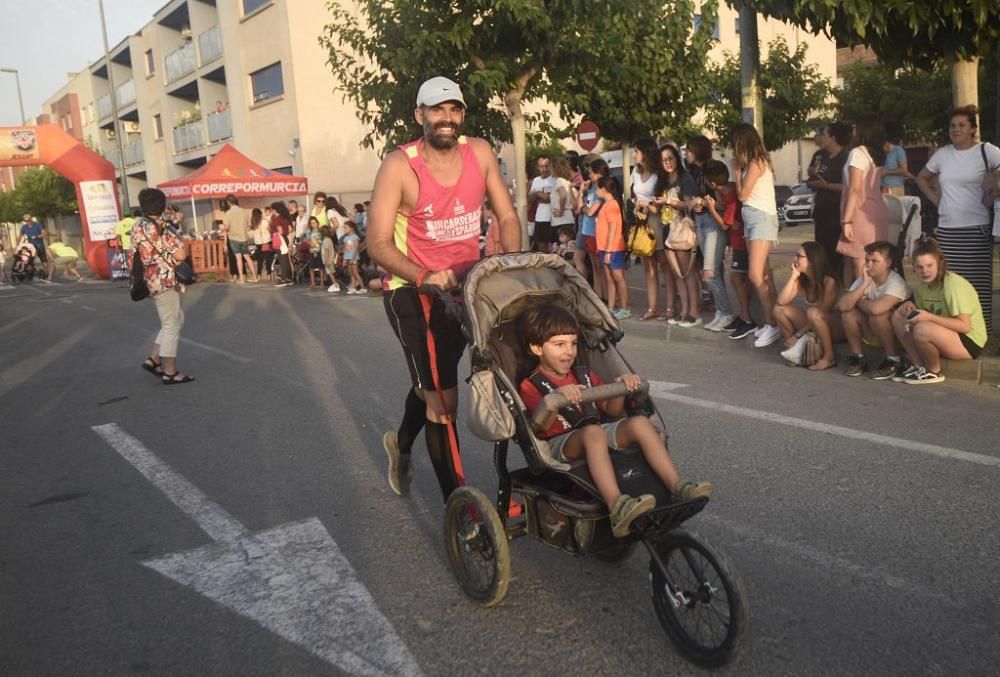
point(587, 135)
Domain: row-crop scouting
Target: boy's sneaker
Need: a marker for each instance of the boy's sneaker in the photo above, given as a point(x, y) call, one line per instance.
point(333, 287)
point(399, 465)
point(622, 313)
point(711, 324)
point(686, 490)
point(887, 369)
point(856, 366)
point(734, 324)
point(923, 375)
point(768, 335)
point(690, 322)
point(901, 376)
point(721, 322)
point(626, 509)
point(743, 330)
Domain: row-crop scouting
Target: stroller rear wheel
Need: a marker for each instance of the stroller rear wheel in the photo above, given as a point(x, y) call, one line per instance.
point(478, 550)
point(698, 598)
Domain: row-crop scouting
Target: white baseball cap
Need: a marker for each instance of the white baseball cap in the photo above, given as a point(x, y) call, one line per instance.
point(438, 90)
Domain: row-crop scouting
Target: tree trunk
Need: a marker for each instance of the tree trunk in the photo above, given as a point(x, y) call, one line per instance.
point(964, 81)
point(512, 99)
point(626, 171)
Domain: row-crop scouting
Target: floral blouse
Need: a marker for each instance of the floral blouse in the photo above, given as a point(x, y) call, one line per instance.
point(156, 246)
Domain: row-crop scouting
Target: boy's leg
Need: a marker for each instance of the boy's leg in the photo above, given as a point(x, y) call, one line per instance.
point(742, 288)
point(639, 430)
point(594, 443)
point(609, 286)
point(855, 327)
point(881, 327)
point(622, 286)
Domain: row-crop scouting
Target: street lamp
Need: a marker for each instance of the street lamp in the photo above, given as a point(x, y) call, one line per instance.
point(17, 78)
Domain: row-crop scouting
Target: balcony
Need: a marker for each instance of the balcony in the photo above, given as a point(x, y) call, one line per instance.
point(125, 93)
point(104, 107)
point(210, 45)
point(133, 153)
point(220, 126)
point(189, 135)
point(180, 62)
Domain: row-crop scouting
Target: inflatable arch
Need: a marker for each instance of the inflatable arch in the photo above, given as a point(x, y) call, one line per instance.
point(92, 175)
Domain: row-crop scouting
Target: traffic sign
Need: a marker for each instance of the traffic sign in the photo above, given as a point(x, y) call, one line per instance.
point(587, 135)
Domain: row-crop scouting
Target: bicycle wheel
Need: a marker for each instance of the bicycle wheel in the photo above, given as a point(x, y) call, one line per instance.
point(698, 598)
point(478, 550)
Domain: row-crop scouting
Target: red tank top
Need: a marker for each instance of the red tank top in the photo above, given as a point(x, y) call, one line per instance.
point(442, 231)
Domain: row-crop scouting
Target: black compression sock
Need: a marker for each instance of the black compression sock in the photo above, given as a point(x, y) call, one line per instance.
point(439, 449)
point(414, 417)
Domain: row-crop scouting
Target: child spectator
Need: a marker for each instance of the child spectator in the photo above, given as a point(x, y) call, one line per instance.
point(315, 261)
point(567, 243)
point(866, 311)
point(328, 255)
point(731, 220)
point(352, 251)
point(551, 334)
point(611, 246)
point(945, 318)
point(813, 278)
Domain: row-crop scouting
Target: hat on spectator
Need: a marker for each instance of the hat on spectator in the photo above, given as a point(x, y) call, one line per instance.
point(438, 90)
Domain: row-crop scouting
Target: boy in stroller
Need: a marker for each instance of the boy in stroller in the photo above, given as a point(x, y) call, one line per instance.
point(551, 333)
point(23, 268)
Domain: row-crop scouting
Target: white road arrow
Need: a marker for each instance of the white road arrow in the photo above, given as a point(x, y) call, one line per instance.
point(292, 579)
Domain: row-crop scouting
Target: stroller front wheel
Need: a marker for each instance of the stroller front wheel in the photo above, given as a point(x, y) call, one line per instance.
point(478, 550)
point(698, 598)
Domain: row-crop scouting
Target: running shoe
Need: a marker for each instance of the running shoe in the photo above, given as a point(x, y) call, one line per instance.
point(887, 369)
point(690, 322)
point(923, 375)
point(901, 377)
point(721, 322)
point(736, 323)
point(686, 490)
point(333, 287)
point(713, 323)
point(627, 509)
point(768, 335)
point(399, 465)
point(743, 330)
point(856, 366)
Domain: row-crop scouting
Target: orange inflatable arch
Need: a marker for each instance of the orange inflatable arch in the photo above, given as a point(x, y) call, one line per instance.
point(92, 175)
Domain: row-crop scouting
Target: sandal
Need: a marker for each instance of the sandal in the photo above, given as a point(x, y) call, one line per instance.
point(152, 366)
point(648, 315)
point(171, 379)
point(666, 315)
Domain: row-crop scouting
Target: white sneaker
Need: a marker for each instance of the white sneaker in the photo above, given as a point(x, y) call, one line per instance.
point(794, 354)
point(758, 329)
point(768, 335)
point(721, 323)
point(333, 288)
point(711, 324)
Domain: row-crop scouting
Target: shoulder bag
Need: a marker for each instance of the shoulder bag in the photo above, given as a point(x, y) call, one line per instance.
point(681, 237)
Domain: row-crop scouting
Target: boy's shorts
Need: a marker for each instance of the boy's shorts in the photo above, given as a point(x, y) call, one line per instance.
point(741, 261)
point(590, 244)
point(617, 260)
point(557, 443)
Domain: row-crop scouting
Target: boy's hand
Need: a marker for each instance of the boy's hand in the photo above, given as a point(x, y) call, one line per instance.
point(572, 392)
point(630, 381)
point(710, 203)
point(607, 259)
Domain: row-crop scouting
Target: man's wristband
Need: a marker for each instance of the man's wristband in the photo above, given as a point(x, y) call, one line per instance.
point(421, 276)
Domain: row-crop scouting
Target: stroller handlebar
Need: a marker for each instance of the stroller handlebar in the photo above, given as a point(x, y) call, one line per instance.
point(553, 402)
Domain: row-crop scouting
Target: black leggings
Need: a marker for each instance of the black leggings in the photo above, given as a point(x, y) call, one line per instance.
point(265, 260)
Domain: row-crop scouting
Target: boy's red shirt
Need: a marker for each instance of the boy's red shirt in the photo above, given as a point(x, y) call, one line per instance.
point(532, 398)
point(732, 216)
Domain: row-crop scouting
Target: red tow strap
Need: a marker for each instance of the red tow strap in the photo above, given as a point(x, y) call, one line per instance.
point(426, 302)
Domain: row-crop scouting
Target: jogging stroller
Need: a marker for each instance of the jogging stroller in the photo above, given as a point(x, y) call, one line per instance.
point(23, 267)
point(697, 595)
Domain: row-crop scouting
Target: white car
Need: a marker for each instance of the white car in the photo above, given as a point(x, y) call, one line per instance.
point(798, 208)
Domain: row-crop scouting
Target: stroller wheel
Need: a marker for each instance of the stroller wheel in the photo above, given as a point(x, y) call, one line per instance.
point(698, 598)
point(478, 550)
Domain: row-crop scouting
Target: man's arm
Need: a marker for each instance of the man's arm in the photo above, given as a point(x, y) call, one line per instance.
point(387, 196)
point(508, 224)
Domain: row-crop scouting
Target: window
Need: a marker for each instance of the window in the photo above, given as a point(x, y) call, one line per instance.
point(157, 127)
point(715, 27)
point(150, 62)
point(251, 6)
point(267, 83)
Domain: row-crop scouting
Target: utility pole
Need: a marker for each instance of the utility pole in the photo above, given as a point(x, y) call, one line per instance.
point(114, 113)
point(751, 108)
point(17, 79)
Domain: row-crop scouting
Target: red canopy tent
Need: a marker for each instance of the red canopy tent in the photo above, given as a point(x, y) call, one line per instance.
point(231, 172)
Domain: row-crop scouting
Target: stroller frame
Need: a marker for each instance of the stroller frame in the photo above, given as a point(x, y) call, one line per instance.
point(558, 503)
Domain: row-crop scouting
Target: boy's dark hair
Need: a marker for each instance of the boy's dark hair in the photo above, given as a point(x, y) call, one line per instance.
point(841, 132)
point(232, 200)
point(716, 172)
point(565, 230)
point(701, 148)
point(136, 213)
point(886, 249)
point(152, 201)
point(540, 323)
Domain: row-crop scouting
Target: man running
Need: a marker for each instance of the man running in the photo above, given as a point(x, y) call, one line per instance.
point(424, 230)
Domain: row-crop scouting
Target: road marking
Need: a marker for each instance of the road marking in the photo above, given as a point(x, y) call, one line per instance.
point(88, 308)
point(218, 351)
point(292, 579)
point(663, 391)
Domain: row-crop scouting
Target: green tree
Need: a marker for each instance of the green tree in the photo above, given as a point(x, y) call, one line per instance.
point(904, 32)
point(505, 53)
point(43, 193)
point(794, 93)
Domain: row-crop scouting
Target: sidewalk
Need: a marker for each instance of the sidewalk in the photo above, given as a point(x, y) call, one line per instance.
point(985, 370)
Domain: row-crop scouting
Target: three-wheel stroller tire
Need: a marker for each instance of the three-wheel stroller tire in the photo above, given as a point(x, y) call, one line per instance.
point(699, 599)
point(478, 551)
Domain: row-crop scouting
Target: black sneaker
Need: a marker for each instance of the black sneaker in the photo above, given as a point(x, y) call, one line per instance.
point(887, 369)
point(856, 366)
point(737, 321)
point(745, 329)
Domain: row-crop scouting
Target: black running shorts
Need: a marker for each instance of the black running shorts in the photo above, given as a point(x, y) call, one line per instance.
point(406, 315)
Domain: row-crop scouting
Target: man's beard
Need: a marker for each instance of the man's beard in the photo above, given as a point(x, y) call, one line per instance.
point(441, 141)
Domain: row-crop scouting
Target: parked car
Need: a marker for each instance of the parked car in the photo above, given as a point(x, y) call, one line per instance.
point(798, 206)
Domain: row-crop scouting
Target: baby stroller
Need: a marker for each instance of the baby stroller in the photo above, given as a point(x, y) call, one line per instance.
point(23, 268)
point(696, 594)
point(299, 257)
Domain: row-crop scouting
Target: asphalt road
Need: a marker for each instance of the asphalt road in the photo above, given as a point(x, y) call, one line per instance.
point(142, 524)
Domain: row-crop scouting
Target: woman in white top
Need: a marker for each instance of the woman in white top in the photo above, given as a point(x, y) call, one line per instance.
point(864, 218)
point(953, 180)
point(563, 198)
point(648, 181)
